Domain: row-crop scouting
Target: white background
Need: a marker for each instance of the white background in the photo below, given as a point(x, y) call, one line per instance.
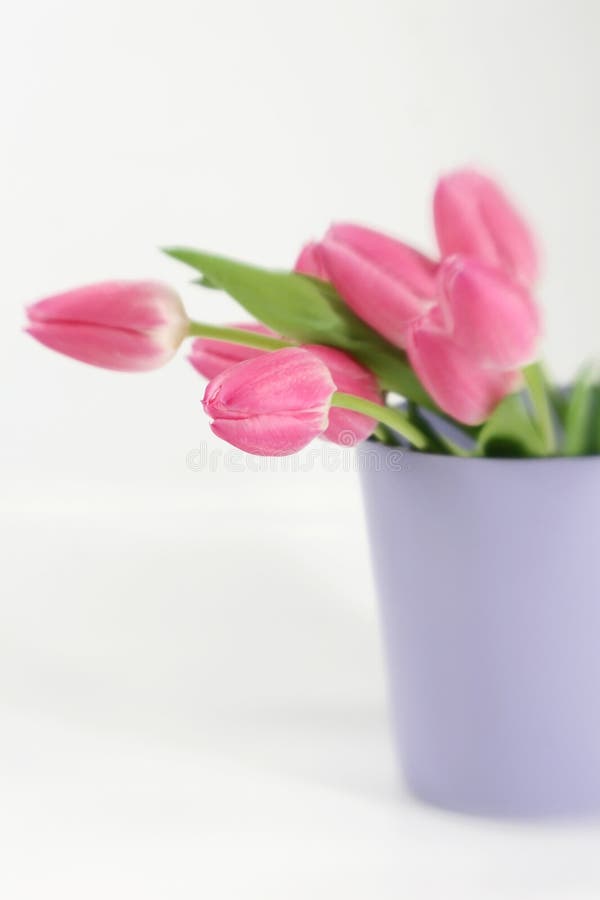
point(191, 693)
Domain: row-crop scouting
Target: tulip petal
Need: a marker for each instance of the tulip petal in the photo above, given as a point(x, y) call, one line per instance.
point(271, 434)
point(386, 283)
point(398, 259)
point(133, 305)
point(460, 387)
point(283, 381)
point(473, 216)
point(97, 345)
point(310, 261)
point(490, 316)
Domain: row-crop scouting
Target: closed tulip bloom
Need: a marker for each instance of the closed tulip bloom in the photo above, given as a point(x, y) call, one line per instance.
point(461, 387)
point(474, 216)
point(272, 405)
point(388, 284)
point(346, 427)
point(210, 357)
point(489, 315)
point(468, 351)
point(129, 326)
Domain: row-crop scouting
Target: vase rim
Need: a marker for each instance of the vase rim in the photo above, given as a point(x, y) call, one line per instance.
point(526, 460)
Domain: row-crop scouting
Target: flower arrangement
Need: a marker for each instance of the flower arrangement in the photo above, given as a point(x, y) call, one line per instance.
point(368, 339)
point(362, 320)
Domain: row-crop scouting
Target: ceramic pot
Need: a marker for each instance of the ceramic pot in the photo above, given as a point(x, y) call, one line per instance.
point(488, 574)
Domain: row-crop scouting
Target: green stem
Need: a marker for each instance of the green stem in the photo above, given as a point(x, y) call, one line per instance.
point(437, 441)
point(385, 435)
point(394, 419)
point(540, 401)
point(237, 336)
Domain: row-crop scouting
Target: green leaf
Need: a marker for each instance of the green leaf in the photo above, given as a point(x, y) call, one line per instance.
point(539, 393)
point(559, 400)
point(292, 305)
point(582, 418)
point(308, 310)
point(204, 282)
point(557, 396)
point(510, 432)
point(437, 442)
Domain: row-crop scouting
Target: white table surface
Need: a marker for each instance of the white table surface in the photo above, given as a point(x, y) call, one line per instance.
point(192, 704)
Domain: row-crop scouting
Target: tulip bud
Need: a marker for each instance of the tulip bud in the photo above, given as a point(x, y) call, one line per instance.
point(492, 317)
point(473, 216)
point(130, 326)
point(386, 283)
point(272, 405)
point(209, 357)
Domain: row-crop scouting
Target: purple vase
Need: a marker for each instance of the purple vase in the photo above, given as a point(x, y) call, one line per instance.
point(488, 573)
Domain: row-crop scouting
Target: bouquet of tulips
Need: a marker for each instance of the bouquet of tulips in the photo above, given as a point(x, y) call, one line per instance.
point(367, 338)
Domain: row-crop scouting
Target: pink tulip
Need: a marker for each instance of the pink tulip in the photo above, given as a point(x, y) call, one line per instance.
point(210, 357)
point(467, 351)
point(386, 283)
point(489, 315)
point(463, 389)
point(345, 427)
point(473, 216)
point(130, 326)
point(272, 405)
